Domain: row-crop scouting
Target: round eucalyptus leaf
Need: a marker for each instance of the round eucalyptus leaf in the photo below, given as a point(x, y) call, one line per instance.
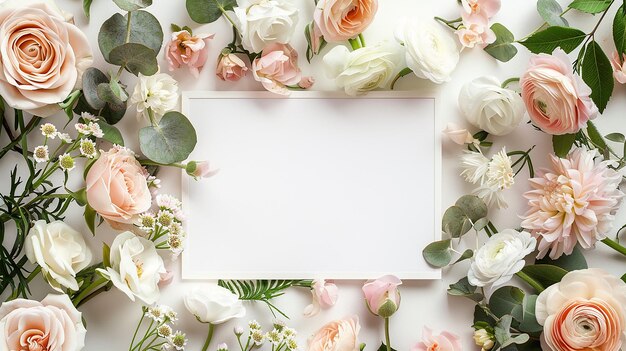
point(438, 253)
point(111, 134)
point(145, 29)
point(111, 113)
point(208, 11)
point(506, 299)
point(473, 207)
point(169, 142)
point(105, 93)
point(454, 222)
point(92, 77)
point(132, 5)
point(136, 58)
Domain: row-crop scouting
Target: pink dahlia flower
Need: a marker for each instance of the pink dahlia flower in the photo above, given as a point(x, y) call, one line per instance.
point(575, 202)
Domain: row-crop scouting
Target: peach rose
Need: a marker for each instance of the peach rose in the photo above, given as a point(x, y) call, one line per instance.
point(231, 68)
point(557, 100)
point(277, 68)
point(189, 50)
point(52, 324)
point(117, 187)
point(619, 68)
point(340, 20)
point(42, 58)
point(585, 311)
point(340, 335)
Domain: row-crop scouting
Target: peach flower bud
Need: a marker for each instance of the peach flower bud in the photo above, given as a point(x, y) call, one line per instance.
point(200, 169)
point(475, 31)
point(459, 135)
point(619, 68)
point(340, 335)
point(277, 68)
point(340, 20)
point(443, 342)
point(230, 67)
point(382, 295)
point(189, 50)
point(487, 8)
point(306, 82)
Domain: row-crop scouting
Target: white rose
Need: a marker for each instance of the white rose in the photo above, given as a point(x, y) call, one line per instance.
point(214, 304)
point(59, 250)
point(490, 107)
point(158, 92)
point(431, 52)
point(361, 70)
point(500, 258)
point(135, 267)
point(263, 22)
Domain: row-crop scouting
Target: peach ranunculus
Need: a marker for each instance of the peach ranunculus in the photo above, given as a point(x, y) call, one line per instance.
point(619, 68)
point(340, 335)
point(475, 31)
point(230, 67)
point(444, 341)
point(340, 20)
point(558, 101)
point(277, 68)
point(52, 324)
point(486, 8)
point(116, 186)
point(189, 50)
point(585, 311)
point(42, 58)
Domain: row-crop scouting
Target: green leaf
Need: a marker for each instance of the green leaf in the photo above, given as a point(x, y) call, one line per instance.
point(136, 58)
point(175, 27)
point(619, 30)
point(90, 218)
point(562, 144)
point(571, 262)
point(547, 40)
point(106, 94)
point(504, 300)
point(87, 7)
point(597, 139)
point(465, 289)
point(169, 142)
point(551, 11)
point(208, 11)
point(597, 72)
point(502, 49)
point(132, 5)
point(528, 321)
point(261, 290)
point(80, 196)
point(481, 316)
point(111, 113)
point(455, 223)
point(106, 256)
point(467, 254)
point(383, 347)
point(481, 223)
point(502, 332)
point(145, 29)
point(545, 274)
point(438, 253)
point(591, 6)
point(111, 134)
point(91, 79)
point(616, 137)
point(473, 207)
point(624, 278)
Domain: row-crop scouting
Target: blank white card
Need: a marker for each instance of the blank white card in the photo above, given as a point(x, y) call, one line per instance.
point(316, 185)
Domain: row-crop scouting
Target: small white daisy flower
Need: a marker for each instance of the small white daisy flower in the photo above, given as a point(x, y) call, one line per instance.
point(96, 130)
point(165, 218)
point(175, 244)
point(289, 333)
point(238, 330)
point(88, 117)
point(164, 331)
point(41, 154)
point(64, 137)
point(147, 221)
point(254, 325)
point(176, 229)
point(274, 336)
point(292, 344)
point(167, 201)
point(257, 336)
point(222, 347)
point(156, 313)
point(178, 340)
point(88, 148)
point(49, 130)
point(66, 162)
point(82, 128)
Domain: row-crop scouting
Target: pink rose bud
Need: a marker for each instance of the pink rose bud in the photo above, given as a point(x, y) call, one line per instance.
point(458, 135)
point(166, 278)
point(382, 295)
point(306, 82)
point(619, 68)
point(200, 169)
point(230, 67)
point(189, 50)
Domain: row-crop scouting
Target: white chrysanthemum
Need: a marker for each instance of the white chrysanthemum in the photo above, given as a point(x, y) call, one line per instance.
point(475, 166)
point(41, 154)
point(158, 92)
point(64, 137)
point(168, 202)
point(66, 162)
point(292, 344)
point(500, 172)
point(88, 148)
point(49, 130)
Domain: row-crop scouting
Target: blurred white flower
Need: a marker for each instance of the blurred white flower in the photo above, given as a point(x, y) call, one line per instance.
point(214, 304)
point(264, 22)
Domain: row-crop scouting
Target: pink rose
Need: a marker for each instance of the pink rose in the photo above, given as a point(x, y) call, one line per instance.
point(42, 58)
point(116, 186)
point(382, 295)
point(475, 31)
point(231, 68)
point(324, 294)
point(557, 100)
point(619, 68)
point(442, 342)
point(486, 8)
point(277, 68)
point(340, 20)
point(189, 50)
point(52, 324)
point(340, 335)
point(459, 135)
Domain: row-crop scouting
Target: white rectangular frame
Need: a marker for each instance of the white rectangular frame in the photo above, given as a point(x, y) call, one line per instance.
point(408, 275)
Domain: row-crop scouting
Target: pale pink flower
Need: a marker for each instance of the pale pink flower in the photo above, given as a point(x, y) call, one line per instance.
point(619, 68)
point(231, 68)
point(340, 335)
point(558, 101)
point(444, 341)
point(573, 203)
point(324, 293)
point(487, 8)
point(277, 68)
point(475, 31)
point(189, 50)
point(340, 20)
point(458, 135)
point(306, 82)
point(200, 169)
point(382, 295)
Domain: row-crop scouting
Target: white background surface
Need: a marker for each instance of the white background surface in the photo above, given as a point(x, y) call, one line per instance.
point(111, 317)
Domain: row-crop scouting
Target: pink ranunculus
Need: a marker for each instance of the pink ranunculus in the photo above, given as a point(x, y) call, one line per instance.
point(557, 100)
point(42, 58)
point(340, 20)
point(324, 293)
point(619, 68)
point(458, 135)
point(475, 31)
point(116, 186)
point(231, 68)
point(442, 342)
point(487, 8)
point(277, 68)
point(382, 295)
point(340, 335)
point(52, 324)
point(189, 50)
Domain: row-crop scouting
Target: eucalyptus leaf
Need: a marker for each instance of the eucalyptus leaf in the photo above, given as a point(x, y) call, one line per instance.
point(145, 29)
point(550, 11)
point(504, 300)
point(132, 5)
point(547, 40)
point(545, 274)
point(92, 77)
point(597, 72)
point(465, 289)
point(591, 6)
point(106, 94)
point(576, 260)
point(616, 137)
point(208, 11)
point(473, 207)
point(562, 144)
point(619, 30)
point(455, 223)
point(467, 254)
point(111, 113)
point(111, 134)
point(438, 253)
point(87, 8)
point(502, 49)
point(169, 142)
point(481, 316)
point(528, 322)
point(137, 58)
point(481, 223)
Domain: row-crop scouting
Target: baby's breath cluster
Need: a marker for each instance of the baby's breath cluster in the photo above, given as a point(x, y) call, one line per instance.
point(164, 225)
point(281, 337)
point(159, 334)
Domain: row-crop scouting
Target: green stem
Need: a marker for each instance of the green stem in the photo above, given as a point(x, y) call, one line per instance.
point(532, 282)
point(509, 81)
point(400, 74)
point(387, 339)
point(208, 337)
point(541, 26)
point(229, 19)
point(451, 23)
point(85, 293)
point(615, 246)
point(355, 44)
point(143, 315)
point(362, 40)
point(152, 163)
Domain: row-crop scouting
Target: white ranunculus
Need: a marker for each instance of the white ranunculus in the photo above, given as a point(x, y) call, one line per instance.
point(361, 70)
point(59, 250)
point(500, 258)
point(214, 304)
point(158, 92)
point(135, 267)
point(490, 107)
point(263, 22)
point(431, 51)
